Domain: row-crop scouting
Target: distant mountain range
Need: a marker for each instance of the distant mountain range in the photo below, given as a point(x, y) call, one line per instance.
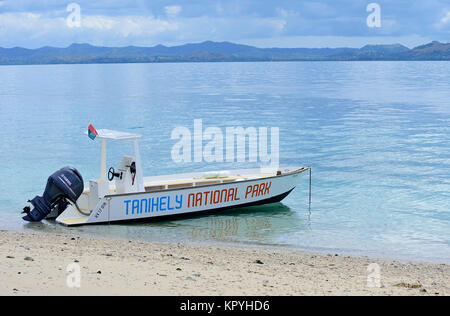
point(215, 52)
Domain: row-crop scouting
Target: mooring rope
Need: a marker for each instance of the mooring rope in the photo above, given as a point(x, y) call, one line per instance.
point(310, 193)
point(310, 180)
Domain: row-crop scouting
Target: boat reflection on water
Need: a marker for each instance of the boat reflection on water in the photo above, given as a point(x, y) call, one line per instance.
point(252, 223)
point(258, 224)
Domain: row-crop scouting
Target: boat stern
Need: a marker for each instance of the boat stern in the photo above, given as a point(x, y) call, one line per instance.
point(73, 217)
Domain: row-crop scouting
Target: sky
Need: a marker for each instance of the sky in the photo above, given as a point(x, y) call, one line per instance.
point(262, 23)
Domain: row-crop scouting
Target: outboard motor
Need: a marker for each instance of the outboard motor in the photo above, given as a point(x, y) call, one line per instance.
point(64, 185)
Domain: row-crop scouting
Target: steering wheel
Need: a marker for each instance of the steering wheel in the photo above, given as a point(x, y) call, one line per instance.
point(112, 174)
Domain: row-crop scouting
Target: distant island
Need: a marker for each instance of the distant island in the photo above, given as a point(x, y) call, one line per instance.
point(216, 52)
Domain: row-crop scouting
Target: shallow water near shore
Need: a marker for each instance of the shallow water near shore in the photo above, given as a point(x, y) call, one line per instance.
point(377, 135)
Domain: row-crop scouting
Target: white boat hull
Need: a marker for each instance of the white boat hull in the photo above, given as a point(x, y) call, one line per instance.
point(180, 201)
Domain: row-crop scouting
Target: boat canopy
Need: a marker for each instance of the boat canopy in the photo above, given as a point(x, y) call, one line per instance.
point(116, 135)
point(106, 134)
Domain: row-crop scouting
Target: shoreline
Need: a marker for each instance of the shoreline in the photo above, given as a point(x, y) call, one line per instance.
point(355, 253)
point(37, 264)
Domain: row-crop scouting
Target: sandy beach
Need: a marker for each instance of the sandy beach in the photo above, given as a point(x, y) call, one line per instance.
point(42, 264)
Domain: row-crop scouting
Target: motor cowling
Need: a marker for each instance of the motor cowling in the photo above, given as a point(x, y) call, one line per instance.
point(65, 184)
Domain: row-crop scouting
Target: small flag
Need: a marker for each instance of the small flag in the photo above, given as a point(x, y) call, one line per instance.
point(92, 133)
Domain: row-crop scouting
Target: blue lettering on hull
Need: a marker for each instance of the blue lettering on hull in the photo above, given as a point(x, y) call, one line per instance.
point(153, 204)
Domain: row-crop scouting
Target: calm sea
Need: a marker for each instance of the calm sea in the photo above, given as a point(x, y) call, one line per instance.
point(377, 135)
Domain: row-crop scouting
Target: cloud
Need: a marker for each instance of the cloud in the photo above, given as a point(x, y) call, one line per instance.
point(446, 18)
point(128, 26)
point(173, 10)
point(96, 28)
point(31, 23)
point(39, 30)
point(27, 22)
point(443, 23)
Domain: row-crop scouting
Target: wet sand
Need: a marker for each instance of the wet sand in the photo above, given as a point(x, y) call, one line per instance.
point(37, 264)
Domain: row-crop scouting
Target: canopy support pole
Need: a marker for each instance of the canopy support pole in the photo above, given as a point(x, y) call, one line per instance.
point(139, 173)
point(103, 161)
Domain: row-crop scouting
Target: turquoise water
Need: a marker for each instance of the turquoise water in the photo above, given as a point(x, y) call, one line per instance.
point(377, 135)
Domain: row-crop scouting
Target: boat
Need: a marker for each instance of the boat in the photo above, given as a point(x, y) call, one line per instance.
point(126, 195)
